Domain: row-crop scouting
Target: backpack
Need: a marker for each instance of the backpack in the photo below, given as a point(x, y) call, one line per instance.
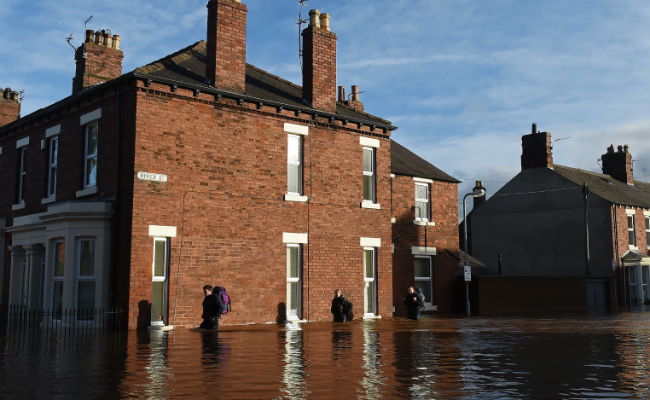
point(222, 294)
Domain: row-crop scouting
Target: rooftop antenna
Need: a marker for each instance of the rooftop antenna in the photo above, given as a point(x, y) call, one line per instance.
point(562, 138)
point(301, 21)
point(86, 23)
point(69, 41)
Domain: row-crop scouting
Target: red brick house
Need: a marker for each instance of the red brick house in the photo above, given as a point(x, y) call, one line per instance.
point(425, 235)
point(199, 168)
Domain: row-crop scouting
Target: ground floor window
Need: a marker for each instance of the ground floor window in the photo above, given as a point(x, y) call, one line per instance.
point(294, 281)
point(638, 280)
point(58, 276)
point(370, 281)
point(423, 277)
point(85, 278)
point(160, 268)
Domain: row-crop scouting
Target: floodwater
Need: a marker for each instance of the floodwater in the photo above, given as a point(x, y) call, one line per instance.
point(568, 357)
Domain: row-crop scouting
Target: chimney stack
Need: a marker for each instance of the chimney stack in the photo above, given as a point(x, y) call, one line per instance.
point(536, 150)
point(9, 106)
point(319, 63)
point(99, 59)
point(618, 164)
point(225, 53)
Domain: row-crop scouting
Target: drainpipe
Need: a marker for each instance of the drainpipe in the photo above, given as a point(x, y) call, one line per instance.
point(585, 191)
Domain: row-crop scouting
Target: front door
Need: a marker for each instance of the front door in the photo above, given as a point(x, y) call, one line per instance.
point(160, 270)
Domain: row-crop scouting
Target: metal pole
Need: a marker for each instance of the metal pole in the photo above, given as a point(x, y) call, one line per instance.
point(466, 258)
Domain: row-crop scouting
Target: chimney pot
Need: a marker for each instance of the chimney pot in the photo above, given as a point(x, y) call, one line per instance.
point(620, 148)
point(98, 37)
point(610, 149)
point(325, 21)
point(90, 35)
point(314, 18)
point(626, 148)
point(116, 42)
point(355, 93)
point(341, 93)
point(534, 128)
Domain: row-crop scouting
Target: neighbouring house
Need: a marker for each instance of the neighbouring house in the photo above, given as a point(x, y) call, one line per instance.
point(425, 237)
point(562, 237)
point(141, 187)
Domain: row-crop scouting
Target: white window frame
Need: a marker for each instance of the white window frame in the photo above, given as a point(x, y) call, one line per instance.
point(84, 278)
point(90, 156)
point(297, 315)
point(373, 280)
point(300, 131)
point(372, 173)
point(631, 232)
point(295, 140)
point(52, 143)
point(647, 231)
point(430, 304)
point(56, 278)
point(22, 175)
point(163, 278)
point(426, 201)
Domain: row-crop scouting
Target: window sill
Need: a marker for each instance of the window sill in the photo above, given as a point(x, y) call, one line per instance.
point(49, 200)
point(631, 247)
point(369, 204)
point(424, 223)
point(87, 191)
point(18, 206)
point(371, 316)
point(295, 197)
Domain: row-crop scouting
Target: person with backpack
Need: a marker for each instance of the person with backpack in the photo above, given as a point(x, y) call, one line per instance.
point(215, 303)
point(414, 302)
point(341, 307)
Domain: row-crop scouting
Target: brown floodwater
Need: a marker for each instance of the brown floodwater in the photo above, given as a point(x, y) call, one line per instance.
point(567, 357)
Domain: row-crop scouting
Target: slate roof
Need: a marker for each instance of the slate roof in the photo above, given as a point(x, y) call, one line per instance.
point(187, 66)
point(608, 188)
point(405, 162)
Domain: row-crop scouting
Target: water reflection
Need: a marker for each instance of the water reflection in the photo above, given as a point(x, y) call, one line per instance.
point(372, 380)
point(440, 358)
point(293, 375)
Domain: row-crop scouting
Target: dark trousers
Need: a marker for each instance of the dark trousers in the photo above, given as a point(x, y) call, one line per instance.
point(211, 323)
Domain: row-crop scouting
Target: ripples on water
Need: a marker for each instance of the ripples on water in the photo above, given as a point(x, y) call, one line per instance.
point(438, 358)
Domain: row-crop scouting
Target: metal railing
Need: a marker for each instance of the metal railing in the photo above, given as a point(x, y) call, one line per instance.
point(22, 320)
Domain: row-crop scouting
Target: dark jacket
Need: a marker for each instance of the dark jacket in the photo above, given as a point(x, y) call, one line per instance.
point(341, 309)
point(414, 305)
point(212, 307)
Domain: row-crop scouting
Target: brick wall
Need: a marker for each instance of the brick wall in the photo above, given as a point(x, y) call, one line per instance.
point(226, 168)
point(226, 45)
point(319, 68)
point(70, 157)
point(444, 235)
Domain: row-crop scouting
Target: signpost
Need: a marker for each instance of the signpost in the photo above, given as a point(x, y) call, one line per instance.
point(150, 176)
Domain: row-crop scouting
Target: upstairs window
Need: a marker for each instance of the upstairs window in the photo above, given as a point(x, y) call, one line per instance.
point(422, 209)
point(647, 232)
point(369, 179)
point(630, 230)
point(294, 164)
point(22, 175)
point(53, 152)
point(90, 154)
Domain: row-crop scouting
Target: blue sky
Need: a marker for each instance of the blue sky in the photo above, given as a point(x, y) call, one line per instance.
point(462, 79)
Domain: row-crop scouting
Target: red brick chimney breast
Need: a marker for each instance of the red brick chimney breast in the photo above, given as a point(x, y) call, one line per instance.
point(536, 150)
point(226, 45)
point(99, 59)
point(319, 63)
point(618, 164)
point(9, 106)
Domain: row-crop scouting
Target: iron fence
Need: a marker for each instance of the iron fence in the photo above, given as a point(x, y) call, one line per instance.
point(20, 319)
